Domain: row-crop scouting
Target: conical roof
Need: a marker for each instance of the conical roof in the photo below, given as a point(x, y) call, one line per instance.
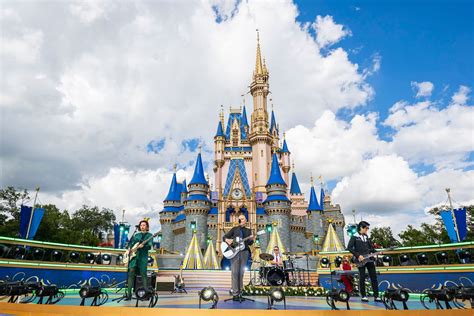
point(210, 258)
point(193, 258)
point(332, 242)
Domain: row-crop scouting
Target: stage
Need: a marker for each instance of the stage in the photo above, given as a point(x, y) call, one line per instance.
point(188, 304)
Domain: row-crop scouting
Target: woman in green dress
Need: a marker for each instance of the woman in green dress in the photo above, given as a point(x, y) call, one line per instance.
point(138, 264)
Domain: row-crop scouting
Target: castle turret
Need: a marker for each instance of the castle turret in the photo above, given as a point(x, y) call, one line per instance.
point(197, 205)
point(219, 149)
point(172, 206)
point(277, 205)
point(285, 161)
point(314, 223)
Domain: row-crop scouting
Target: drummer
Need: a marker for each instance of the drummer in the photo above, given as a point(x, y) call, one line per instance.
point(277, 257)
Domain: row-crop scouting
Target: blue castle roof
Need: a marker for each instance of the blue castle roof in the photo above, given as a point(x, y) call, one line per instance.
point(241, 122)
point(275, 174)
point(180, 217)
point(174, 194)
point(213, 211)
point(172, 208)
point(197, 197)
point(198, 176)
point(273, 122)
point(313, 202)
point(321, 199)
point(285, 147)
point(184, 187)
point(244, 117)
point(278, 197)
point(260, 211)
point(295, 187)
point(220, 132)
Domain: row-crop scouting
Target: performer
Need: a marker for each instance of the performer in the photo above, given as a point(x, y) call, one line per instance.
point(138, 264)
point(346, 279)
point(240, 260)
point(277, 258)
point(361, 245)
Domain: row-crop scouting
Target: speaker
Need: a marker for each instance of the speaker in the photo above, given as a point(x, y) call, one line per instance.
point(165, 283)
point(151, 279)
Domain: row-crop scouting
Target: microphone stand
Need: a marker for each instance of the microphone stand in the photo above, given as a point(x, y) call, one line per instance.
point(119, 299)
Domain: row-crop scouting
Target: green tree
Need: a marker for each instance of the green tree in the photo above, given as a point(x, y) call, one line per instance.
point(383, 237)
point(92, 223)
point(10, 203)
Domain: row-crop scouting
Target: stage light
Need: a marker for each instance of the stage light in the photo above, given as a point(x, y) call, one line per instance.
point(146, 294)
point(462, 294)
point(464, 256)
point(19, 252)
point(119, 259)
point(404, 259)
point(38, 254)
point(391, 295)
point(52, 292)
point(387, 260)
point(150, 261)
point(422, 258)
point(14, 290)
point(437, 296)
point(276, 294)
point(324, 262)
point(269, 228)
point(106, 258)
point(316, 238)
point(208, 294)
point(227, 268)
point(90, 258)
point(338, 261)
point(337, 295)
point(56, 255)
point(99, 295)
point(74, 256)
point(4, 250)
point(351, 230)
point(442, 257)
point(193, 225)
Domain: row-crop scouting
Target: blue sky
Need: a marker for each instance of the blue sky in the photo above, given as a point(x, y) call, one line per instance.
point(417, 40)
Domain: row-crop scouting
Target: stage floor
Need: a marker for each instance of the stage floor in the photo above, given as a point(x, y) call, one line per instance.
point(191, 301)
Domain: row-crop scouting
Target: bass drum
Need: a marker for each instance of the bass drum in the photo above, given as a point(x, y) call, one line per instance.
point(275, 276)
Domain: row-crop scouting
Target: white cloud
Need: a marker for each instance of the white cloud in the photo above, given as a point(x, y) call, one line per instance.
point(90, 10)
point(461, 96)
point(422, 89)
point(328, 32)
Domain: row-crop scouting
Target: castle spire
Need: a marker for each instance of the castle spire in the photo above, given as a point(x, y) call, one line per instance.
point(275, 174)
point(258, 61)
point(198, 176)
point(174, 193)
point(313, 200)
point(295, 187)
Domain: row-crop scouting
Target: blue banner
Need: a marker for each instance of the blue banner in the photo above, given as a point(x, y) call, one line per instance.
point(25, 216)
point(449, 224)
point(461, 222)
point(120, 235)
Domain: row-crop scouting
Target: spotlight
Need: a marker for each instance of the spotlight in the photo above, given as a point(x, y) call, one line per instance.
point(437, 296)
point(75, 256)
point(462, 294)
point(99, 296)
point(336, 295)
point(150, 261)
point(56, 255)
point(119, 259)
point(4, 250)
point(463, 255)
point(276, 294)
point(209, 294)
point(391, 295)
point(38, 254)
point(106, 258)
point(387, 260)
point(324, 262)
point(441, 257)
point(338, 261)
point(90, 258)
point(422, 258)
point(146, 294)
point(15, 290)
point(52, 292)
point(19, 252)
point(404, 259)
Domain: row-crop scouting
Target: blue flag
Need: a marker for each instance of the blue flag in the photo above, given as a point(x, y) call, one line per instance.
point(461, 222)
point(449, 224)
point(25, 216)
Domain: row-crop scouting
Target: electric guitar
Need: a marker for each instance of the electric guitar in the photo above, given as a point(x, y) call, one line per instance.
point(369, 258)
point(230, 251)
point(129, 254)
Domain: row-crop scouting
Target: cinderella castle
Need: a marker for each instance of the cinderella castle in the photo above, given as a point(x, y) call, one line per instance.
point(252, 177)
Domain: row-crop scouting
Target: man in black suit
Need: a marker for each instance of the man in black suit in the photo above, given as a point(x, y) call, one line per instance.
point(359, 246)
point(240, 260)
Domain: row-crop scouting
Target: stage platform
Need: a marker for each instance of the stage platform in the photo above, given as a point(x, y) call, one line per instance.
point(188, 304)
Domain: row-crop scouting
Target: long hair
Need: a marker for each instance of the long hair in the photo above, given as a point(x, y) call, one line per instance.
point(147, 225)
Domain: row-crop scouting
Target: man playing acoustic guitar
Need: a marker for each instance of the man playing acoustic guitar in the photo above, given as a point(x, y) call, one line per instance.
point(140, 261)
point(361, 247)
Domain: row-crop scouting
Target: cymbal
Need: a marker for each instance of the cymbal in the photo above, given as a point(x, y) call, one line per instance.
point(266, 256)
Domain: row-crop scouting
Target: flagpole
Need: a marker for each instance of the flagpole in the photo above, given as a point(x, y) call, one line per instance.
point(448, 190)
point(32, 212)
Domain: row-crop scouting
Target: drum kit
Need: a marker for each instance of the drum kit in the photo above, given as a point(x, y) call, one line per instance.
point(289, 274)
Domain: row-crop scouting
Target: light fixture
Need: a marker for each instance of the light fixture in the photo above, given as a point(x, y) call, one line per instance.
point(276, 294)
point(106, 258)
point(404, 259)
point(19, 252)
point(38, 254)
point(90, 258)
point(146, 294)
point(387, 260)
point(337, 295)
point(437, 296)
point(119, 259)
point(391, 295)
point(4, 250)
point(52, 292)
point(209, 294)
point(74, 256)
point(150, 261)
point(98, 295)
point(422, 258)
point(338, 261)
point(464, 256)
point(324, 262)
point(442, 257)
point(56, 255)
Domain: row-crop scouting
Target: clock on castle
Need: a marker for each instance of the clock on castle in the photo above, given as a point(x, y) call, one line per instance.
point(251, 177)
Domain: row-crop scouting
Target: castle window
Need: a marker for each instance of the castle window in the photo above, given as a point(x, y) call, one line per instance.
point(261, 153)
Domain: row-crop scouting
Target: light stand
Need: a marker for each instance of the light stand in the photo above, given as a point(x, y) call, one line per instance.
point(146, 294)
point(276, 294)
point(336, 295)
